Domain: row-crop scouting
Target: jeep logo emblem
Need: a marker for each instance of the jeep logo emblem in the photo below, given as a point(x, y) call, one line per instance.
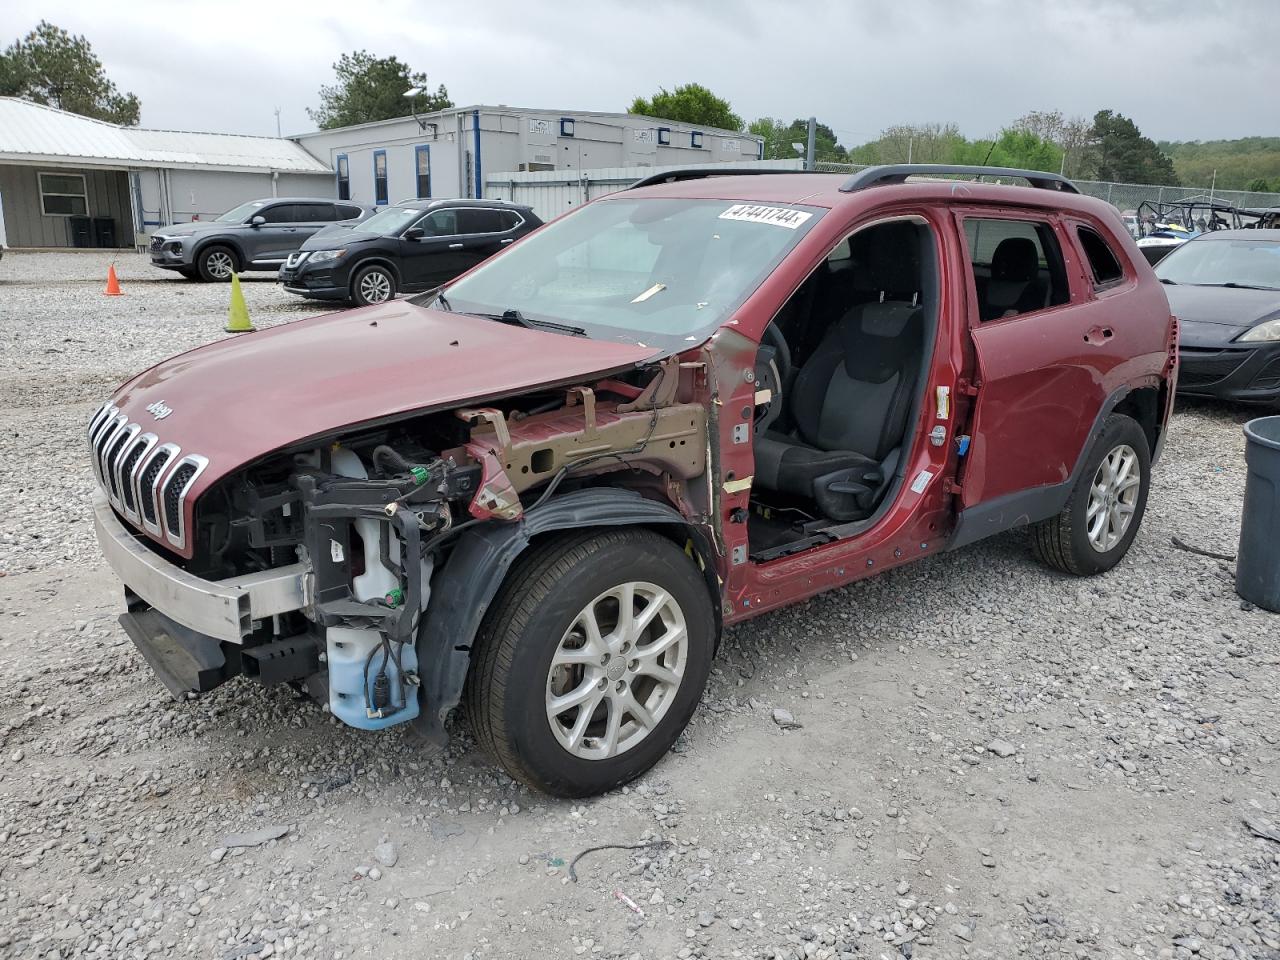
point(159, 410)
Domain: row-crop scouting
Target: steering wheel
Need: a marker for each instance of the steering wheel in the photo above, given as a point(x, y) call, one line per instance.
point(781, 352)
point(777, 372)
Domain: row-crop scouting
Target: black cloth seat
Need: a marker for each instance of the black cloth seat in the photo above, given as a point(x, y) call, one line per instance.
point(850, 403)
point(1015, 285)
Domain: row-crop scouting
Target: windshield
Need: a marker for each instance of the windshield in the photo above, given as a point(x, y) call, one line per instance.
point(1248, 263)
point(656, 271)
point(389, 222)
point(241, 213)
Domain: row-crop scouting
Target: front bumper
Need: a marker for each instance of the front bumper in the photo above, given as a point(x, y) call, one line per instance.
point(170, 254)
point(1242, 372)
point(223, 609)
point(325, 283)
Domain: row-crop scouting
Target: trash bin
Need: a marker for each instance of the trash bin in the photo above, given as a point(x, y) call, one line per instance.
point(1258, 560)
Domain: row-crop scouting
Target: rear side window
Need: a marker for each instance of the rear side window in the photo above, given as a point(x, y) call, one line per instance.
point(1102, 259)
point(1017, 266)
point(347, 213)
point(510, 219)
point(480, 221)
point(315, 213)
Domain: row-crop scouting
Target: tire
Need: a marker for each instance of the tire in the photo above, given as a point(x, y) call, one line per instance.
point(372, 284)
point(1079, 541)
point(216, 263)
point(536, 618)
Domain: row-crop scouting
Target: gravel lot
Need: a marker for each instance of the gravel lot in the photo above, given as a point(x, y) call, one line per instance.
point(993, 760)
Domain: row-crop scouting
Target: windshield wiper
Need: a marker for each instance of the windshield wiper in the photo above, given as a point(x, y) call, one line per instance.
point(1247, 286)
point(1172, 283)
point(519, 319)
point(443, 300)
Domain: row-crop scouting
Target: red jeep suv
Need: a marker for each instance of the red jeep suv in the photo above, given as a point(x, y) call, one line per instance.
point(546, 488)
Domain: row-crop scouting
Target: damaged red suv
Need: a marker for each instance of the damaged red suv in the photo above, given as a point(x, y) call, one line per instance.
point(546, 489)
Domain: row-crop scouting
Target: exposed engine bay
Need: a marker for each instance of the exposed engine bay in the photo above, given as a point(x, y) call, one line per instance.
point(375, 513)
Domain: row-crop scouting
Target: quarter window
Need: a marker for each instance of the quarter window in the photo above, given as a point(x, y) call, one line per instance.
point(347, 213)
point(63, 195)
point(344, 178)
point(380, 177)
point(1017, 266)
point(1102, 260)
point(314, 212)
point(480, 221)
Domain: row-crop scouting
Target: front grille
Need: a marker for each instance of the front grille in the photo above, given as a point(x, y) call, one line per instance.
point(156, 244)
point(1201, 367)
point(117, 443)
point(173, 491)
point(146, 484)
point(295, 259)
point(130, 461)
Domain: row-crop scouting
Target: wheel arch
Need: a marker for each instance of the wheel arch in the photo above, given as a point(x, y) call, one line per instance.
point(464, 588)
point(228, 242)
point(374, 260)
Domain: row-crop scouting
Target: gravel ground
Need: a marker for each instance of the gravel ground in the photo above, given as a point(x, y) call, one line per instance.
point(991, 760)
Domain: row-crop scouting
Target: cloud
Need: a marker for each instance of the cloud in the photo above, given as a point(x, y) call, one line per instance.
point(1180, 69)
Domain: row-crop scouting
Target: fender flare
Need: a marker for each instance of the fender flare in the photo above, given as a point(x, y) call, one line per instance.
point(1025, 507)
point(374, 260)
point(463, 589)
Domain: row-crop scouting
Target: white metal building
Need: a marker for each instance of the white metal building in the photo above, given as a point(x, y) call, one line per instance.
point(446, 154)
point(71, 181)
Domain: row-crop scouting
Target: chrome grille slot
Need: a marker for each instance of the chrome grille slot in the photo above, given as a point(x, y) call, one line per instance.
point(152, 467)
point(106, 446)
point(129, 472)
point(176, 487)
point(111, 460)
point(105, 429)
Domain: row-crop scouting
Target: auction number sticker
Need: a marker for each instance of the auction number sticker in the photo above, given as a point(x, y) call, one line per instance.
point(778, 216)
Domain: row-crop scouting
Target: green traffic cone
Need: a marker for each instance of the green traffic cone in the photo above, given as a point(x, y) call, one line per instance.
point(238, 314)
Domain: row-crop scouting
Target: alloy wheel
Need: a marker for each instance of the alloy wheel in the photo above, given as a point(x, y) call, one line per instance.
point(375, 287)
point(617, 670)
point(220, 265)
point(1113, 497)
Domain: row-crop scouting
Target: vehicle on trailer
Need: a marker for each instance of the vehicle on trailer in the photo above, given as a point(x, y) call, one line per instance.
point(1224, 287)
point(257, 235)
point(545, 490)
point(415, 245)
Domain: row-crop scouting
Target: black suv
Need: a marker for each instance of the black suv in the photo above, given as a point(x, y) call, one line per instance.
point(414, 245)
point(258, 235)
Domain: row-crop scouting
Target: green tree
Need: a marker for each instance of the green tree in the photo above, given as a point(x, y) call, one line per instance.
point(780, 140)
point(690, 103)
point(372, 88)
point(1231, 164)
point(1072, 135)
point(1125, 155)
point(1259, 185)
point(52, 67)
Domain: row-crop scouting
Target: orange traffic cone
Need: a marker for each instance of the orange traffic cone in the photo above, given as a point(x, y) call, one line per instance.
point(113, 285)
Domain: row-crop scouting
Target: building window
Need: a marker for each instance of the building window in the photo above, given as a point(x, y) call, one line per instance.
point(566, 126)
point(664, 136)
point(344, 177)
point(63, 195)
point(695, 139)
point(422, 169)
point(380, 177)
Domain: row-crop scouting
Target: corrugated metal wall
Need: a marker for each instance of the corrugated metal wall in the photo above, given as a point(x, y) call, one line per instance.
point(27, 226)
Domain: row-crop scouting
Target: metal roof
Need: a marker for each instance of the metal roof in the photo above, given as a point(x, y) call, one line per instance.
point(33, 132)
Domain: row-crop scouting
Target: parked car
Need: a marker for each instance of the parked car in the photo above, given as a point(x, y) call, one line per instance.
point(1224, 287)
point(546, 488)
point(258, 235)
point(415, 245)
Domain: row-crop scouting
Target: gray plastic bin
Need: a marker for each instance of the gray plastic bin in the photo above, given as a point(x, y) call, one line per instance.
point(1258, 561)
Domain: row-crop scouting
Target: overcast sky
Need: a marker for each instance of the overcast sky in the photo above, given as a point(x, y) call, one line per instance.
point(1182, 69)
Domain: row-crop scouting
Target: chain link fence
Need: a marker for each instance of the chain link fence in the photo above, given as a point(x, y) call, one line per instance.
point(1127, 196)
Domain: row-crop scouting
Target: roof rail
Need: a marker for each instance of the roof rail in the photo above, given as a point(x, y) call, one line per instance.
point(707, 170)
point(898, 173)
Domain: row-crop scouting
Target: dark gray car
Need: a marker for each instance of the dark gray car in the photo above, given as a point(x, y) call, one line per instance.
point(258, 235)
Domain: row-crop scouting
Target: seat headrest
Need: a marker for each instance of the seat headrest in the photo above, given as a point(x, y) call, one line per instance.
point(1015, 258)
point(879, 339)
point(891, 258)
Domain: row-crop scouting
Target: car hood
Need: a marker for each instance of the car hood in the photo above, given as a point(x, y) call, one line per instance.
point(331, 238)
point(236, 400)
point(1215, 315)
point(196, 228)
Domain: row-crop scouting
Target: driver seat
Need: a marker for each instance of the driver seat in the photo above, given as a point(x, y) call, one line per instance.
point(850, 402)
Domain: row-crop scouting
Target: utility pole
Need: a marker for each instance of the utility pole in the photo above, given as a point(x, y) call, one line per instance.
point(911, 144)
point(277, 121)
point(809, 152)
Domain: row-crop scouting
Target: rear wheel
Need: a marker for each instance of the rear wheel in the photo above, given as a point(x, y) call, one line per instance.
point(591, 661)
point(216, 264)
point(374, 284)
point(1097, 525)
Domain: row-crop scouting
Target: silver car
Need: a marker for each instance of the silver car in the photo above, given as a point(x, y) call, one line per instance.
point(258, 235)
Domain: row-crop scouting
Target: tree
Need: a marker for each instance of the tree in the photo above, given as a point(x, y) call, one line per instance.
point(690, 103)
point(372, 88)
point(1259, 185)
point(1125, 155)
point(1073, 136)
point(52, 67)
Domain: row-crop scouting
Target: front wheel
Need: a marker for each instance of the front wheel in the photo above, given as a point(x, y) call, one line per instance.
point(216, 264)
point(371, 285)
point(1101, 518)
point(591, 661)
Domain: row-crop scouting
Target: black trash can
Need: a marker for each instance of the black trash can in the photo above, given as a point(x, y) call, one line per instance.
point(1258, 561)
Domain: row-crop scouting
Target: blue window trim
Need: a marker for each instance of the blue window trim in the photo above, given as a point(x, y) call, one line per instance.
point(566, 126)
point(664, 136)
point(383, 155)
point(417, 152)
point(695, 139)
point(338, 163)
point(475, 140)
